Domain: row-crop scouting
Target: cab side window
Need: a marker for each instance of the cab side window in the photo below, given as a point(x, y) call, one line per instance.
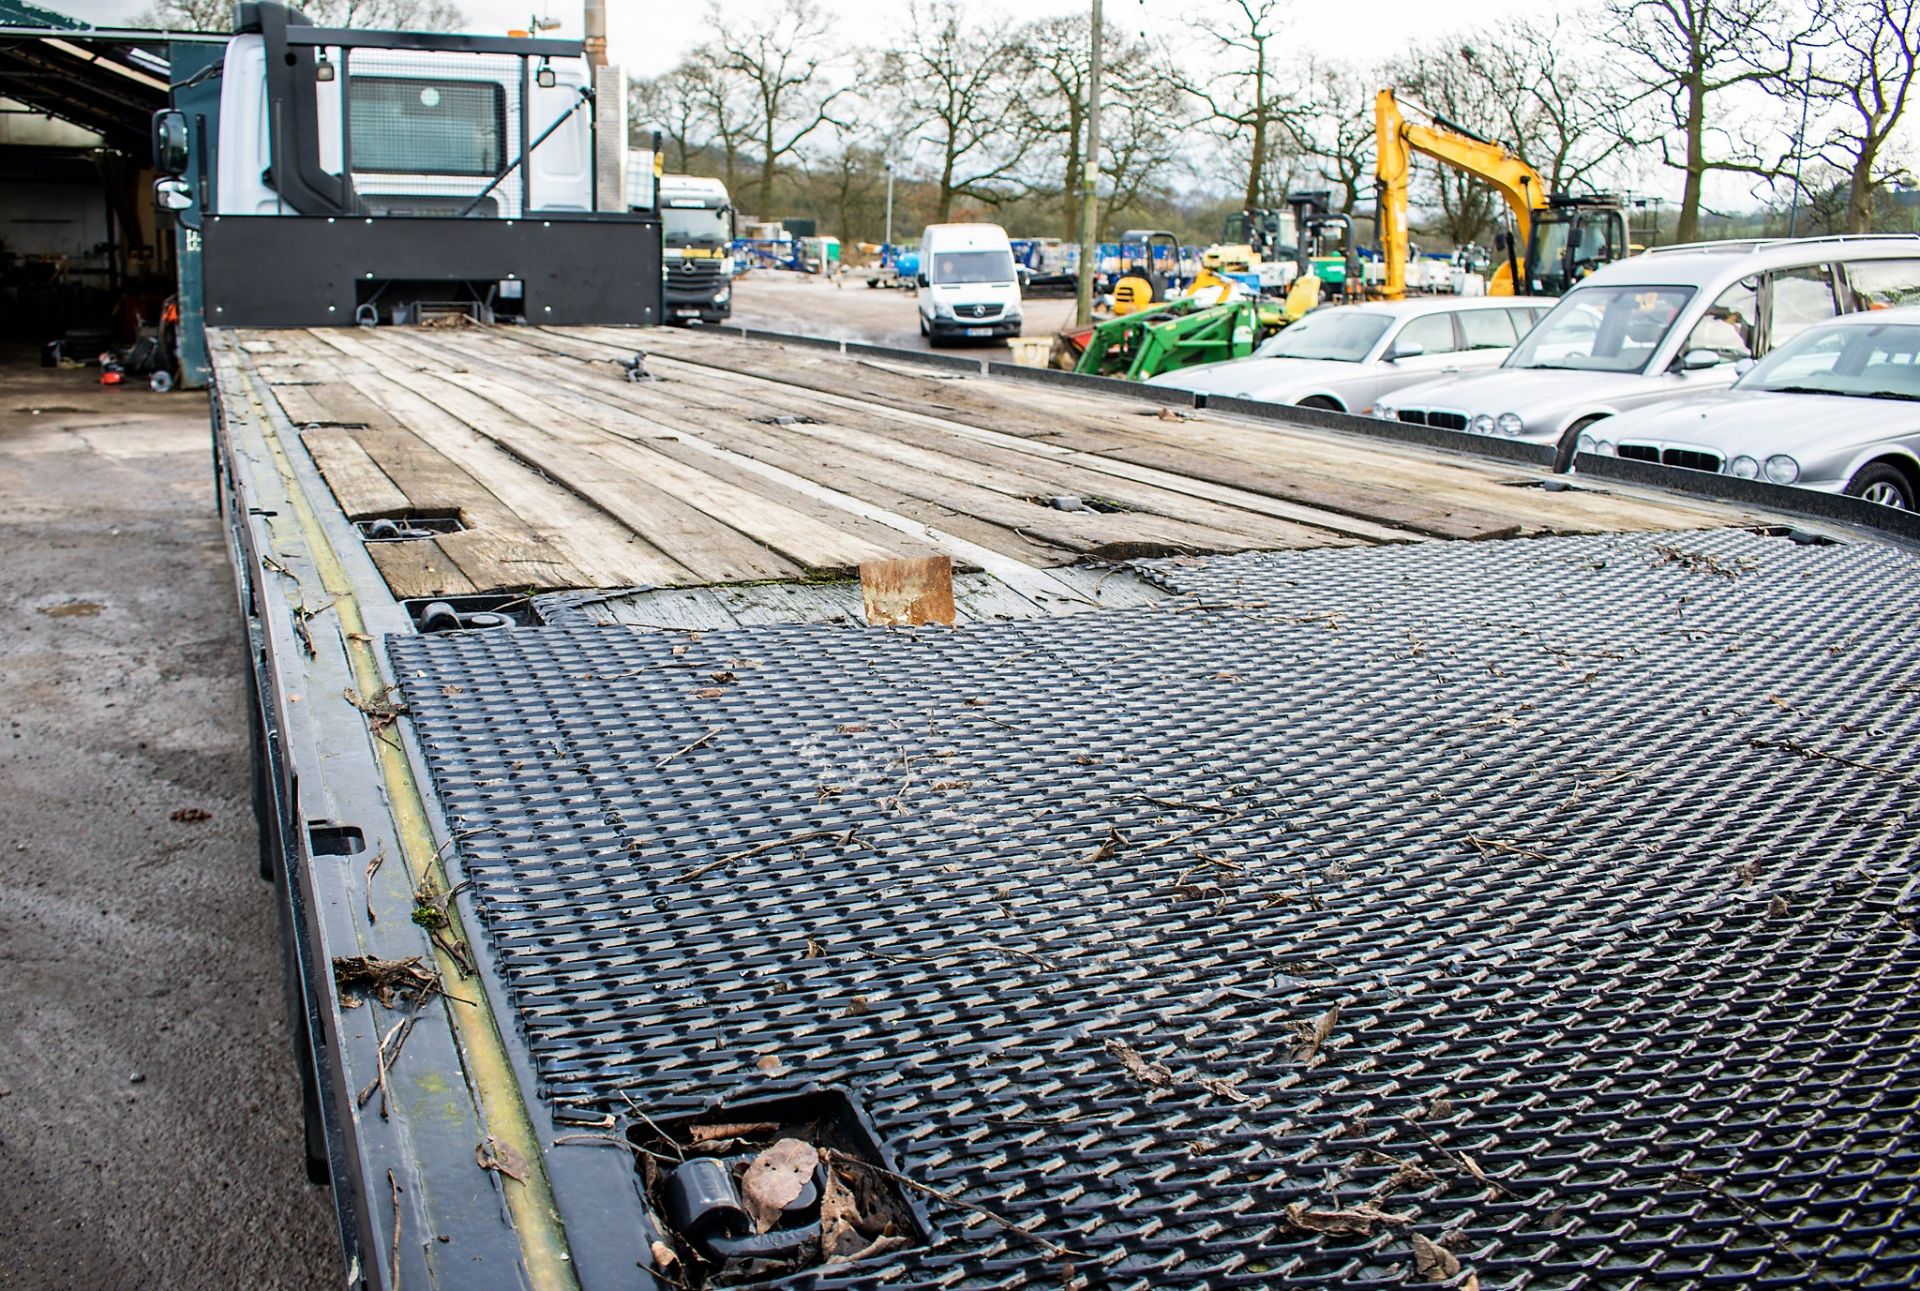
point(1428, 334)
point(1800, 298)
point(1882, 284)
point(1488, 329)
point(1727, 326)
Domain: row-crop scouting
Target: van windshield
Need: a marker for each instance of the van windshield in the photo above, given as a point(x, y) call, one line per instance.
point(1602, 329)
point(971, 266)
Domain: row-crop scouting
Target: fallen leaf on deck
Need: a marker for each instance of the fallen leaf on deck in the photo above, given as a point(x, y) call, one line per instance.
point(663, 1256)
point(771, 1064)
point(1314, 1034)
point(775, 1179)
point(1151, 1073)
point(501, 1157)
point(191, 815)
point(1357, 1221)
point(1432, 1261)
point(840, 1234)
point(710, 692)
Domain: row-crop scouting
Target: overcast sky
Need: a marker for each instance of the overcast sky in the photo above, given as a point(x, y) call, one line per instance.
point(647, 37)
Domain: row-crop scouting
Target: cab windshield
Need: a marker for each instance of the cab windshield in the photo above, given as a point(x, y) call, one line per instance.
point(1864, 362)
point(682, 226)
point(1602, 329)
point(1343, 336)
point(950, 267)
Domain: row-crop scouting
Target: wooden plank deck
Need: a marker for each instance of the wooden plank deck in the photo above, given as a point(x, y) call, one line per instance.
point(749, 462)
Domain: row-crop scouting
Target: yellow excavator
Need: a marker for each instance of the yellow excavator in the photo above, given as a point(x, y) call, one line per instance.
point(1557, 239)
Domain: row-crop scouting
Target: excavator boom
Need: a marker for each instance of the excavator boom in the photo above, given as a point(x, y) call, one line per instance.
point(1397, 139)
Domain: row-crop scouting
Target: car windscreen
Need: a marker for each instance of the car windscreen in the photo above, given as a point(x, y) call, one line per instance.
point(1863, 361)
point(950, 267)
point(1602, 329)
point(681, 226)
point(1342, 335)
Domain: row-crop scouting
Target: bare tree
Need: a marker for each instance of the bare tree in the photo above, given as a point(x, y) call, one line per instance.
point(1454, 89)
point(776, 59)
point(1249, 101)
point(392, 15)
point(1863, 77)
point(1336, 137)
point(1142, 122)
point(1556, 104)
point(1691, 57)
point(956, 84)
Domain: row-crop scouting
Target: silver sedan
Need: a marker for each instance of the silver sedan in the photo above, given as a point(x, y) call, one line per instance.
point(1837, 408)
point(1342, 358)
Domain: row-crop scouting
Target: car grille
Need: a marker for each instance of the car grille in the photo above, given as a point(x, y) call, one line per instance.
point(1440, 420)
point(976, 311)
point(1686, 459)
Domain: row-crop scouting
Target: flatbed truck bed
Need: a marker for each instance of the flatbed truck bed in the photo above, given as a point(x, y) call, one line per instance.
point(1311, 859)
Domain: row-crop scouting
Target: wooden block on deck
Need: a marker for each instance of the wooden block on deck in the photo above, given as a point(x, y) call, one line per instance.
point(907, 593)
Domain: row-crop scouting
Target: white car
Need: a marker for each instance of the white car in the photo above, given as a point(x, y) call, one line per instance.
point(1837, 408)
point(1675, 321)
point(1342, 358)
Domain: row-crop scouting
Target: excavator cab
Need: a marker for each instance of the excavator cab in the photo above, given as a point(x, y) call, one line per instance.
point(1571, 237)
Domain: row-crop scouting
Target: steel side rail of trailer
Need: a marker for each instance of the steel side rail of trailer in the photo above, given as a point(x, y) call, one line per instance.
point(1317, 855)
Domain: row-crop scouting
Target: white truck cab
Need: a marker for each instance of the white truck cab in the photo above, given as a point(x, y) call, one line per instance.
point(968, 286)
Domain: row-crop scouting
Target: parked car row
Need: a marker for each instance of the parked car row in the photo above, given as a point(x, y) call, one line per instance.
point(1794, 361)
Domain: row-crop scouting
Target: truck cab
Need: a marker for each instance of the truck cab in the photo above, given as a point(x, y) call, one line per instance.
point(969, 289)
point(696, 229)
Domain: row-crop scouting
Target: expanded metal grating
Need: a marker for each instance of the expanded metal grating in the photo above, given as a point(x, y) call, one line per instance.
point(1602, 847)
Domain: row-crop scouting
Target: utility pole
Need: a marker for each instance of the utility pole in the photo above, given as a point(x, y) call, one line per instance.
point(1090, 183)
point(889, 238)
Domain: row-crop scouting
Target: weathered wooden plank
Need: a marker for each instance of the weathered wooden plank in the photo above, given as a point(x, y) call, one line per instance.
point(907, 593)
point(364, 491)
point(418, 568)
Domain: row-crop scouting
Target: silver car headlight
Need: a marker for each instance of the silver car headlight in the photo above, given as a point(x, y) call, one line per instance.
point(1482, 424)
point(1744, 468)
point(1509, 424)
point(1586, 444)
point(1782, 469)
point(942, 310)
point(1385, 413)
point(1603, 447)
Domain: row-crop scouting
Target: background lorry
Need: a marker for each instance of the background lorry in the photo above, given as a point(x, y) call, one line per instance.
point(322, 176)
point(696, 231)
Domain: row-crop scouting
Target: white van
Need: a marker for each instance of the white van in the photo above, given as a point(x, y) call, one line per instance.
point(968, 285)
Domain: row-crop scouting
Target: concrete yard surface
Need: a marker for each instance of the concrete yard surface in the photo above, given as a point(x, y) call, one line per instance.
point(846, 309)
point(150, 1131)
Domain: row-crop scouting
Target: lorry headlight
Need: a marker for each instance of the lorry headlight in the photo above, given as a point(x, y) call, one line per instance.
point(1509, 424)
point(1482, 425)
point(1744, 468)
point(1782, 469)
point(722, 296)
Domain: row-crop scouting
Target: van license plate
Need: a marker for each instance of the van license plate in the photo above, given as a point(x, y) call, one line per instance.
point(979, 331)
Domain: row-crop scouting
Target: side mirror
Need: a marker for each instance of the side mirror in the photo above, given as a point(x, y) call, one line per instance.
point(172, 194)
point(1405, 350)
point(1743, 366)
point(170, 142)
point(1695, 360)
point(921, 279)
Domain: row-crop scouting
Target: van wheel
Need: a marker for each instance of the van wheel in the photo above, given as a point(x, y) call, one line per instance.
point(1320, 403)
point(1883, 484)
point(1569, 442)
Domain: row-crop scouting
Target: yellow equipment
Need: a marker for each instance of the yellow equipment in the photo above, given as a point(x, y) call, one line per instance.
point(1564, 238)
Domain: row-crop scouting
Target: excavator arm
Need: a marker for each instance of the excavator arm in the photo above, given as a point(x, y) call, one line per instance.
point(1396, 139)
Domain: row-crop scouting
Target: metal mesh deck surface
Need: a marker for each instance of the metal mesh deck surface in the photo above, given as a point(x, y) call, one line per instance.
point(1603, 847)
